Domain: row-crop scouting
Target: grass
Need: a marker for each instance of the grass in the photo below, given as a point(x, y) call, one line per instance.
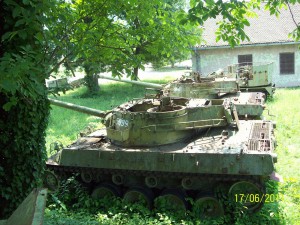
point(64, 125)
point(285, 107)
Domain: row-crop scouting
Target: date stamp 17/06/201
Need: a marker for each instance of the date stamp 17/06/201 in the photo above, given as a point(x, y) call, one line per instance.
point(256, 198)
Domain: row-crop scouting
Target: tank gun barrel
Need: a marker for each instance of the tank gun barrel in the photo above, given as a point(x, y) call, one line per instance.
point(150, 85)
point(78, 108)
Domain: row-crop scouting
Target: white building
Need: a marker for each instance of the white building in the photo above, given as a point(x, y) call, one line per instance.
point(269, 42)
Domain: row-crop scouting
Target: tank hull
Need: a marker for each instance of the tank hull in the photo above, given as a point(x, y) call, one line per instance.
point(218, 154)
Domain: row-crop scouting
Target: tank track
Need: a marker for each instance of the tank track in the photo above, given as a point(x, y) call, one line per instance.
point(217, 190)
point(60, 170)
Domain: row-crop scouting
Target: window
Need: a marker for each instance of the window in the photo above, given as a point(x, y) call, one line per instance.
point(287, 63)
point(244, 60)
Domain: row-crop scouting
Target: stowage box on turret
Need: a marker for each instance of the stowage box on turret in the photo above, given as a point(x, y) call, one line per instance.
point(171, 147)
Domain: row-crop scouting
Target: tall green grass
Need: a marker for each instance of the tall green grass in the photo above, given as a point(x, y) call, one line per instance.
point(65, 125)
point(286, 107)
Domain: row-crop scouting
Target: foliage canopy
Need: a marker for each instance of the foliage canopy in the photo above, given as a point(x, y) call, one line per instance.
point(119, 35)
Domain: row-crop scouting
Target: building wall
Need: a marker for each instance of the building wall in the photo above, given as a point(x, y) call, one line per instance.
point(210, 60)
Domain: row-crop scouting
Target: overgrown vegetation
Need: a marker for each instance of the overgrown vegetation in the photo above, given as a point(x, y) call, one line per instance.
point(65, 209)
point(23, 102)
point(72, 205)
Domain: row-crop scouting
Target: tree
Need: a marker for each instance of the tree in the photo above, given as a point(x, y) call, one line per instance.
point(84, 33)
point(112, 34)
point(154, 34)
point(23, 98)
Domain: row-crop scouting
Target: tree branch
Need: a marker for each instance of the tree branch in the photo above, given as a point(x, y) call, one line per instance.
point(297, 24)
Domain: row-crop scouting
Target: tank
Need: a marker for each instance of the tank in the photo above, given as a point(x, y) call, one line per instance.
point(172, 148)
point(190, 86)
point(238, 77)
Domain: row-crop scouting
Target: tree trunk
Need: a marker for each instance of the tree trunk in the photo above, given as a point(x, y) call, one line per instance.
point(136, 73)
point(136, 69)
point(91, 80)
point(172, 64)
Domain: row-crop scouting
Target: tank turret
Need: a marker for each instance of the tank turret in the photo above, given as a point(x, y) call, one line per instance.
point(176, 119)
point(252, 76)
point(173, 148)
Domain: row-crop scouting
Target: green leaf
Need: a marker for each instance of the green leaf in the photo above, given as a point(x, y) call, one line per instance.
point(22, 34)
point(246, 22)
point(9, 35)
point(7, 106)
point(20, 22)
point(9, 85)
point(25, 2)
point(16, 11)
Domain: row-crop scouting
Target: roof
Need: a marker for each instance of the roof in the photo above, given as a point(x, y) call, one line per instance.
point(264, 29)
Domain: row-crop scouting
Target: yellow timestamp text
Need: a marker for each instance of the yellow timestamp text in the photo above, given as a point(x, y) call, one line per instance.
point(267, 198)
